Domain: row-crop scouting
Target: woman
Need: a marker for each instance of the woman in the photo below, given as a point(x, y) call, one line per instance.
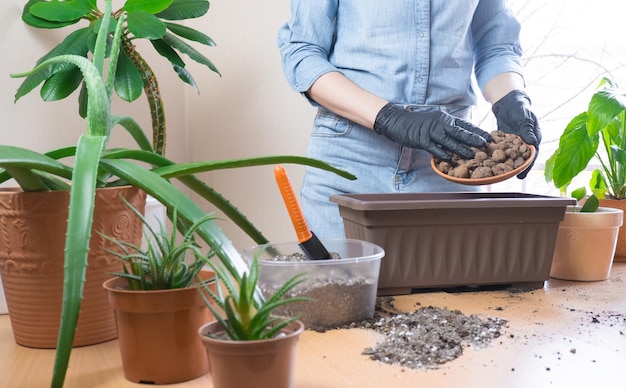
point(395, 82)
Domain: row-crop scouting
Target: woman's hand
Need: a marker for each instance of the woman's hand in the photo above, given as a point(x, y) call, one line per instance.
point(433, 130)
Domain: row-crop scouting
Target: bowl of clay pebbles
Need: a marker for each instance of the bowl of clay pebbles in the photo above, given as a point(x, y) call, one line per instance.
point(506, 156)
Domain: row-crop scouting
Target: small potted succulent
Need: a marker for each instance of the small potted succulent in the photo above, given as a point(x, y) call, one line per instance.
point(157, 304)
point(604, 123)
point(247, 344)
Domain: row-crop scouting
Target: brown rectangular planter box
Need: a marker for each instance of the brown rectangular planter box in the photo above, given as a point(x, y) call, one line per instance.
point(441, 240)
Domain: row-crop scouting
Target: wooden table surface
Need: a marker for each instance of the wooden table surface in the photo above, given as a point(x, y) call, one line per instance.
point(568, 334)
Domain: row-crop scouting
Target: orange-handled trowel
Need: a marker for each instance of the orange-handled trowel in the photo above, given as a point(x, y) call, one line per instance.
point(309, 242)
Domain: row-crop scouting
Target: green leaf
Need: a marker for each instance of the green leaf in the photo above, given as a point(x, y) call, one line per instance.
point(185, 48)
point(579, 193)
point(136, 132)
point(17, 157)
point(606, 104)
point(61, 11)
point(128, 83)
point(80, 218)
point(149, 6)
point(591, 204)
point(61, 85)
point(576, 148)
point(185, 76)
point(190, 33)
point(75, 43)
point(167, 51)
point(185, 9)
point(598, 184)
point(38, 22)
point(145, 25)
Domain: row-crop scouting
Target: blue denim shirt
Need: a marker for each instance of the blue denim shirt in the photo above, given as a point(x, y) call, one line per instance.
point(424, 52)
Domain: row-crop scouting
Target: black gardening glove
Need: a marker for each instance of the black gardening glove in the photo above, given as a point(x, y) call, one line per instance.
point(433, 131)
point(515, 116)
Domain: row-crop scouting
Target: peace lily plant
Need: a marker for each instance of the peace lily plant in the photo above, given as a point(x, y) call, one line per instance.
point(97, 166)
point(604, 123)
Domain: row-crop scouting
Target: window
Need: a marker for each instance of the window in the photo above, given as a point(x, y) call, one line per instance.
point(569, 45)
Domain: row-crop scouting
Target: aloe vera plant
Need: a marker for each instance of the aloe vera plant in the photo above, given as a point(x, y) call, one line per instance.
point(241, 318)
point(166, 262)
point(96, 166)
point(603, 123)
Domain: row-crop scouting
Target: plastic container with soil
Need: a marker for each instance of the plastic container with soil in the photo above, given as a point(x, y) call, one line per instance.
point(442, 240)
point(344, 288)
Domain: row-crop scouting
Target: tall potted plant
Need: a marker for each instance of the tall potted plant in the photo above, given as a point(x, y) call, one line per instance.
point(157, 304)
point(597, 134)
point(247, 345)
point(95, 166)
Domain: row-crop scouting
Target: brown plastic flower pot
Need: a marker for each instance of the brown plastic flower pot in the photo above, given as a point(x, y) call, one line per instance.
point(260, 363)
point(158, 332)
point(438, 240)
point(585, 244)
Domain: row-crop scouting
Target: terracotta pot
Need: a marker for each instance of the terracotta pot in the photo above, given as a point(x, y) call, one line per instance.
point(158, 332)
point(265, 363)
point(32, 239)
point(585, 245)
point(620, 249)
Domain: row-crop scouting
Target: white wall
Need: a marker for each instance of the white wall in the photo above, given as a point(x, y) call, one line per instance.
point(248, 111)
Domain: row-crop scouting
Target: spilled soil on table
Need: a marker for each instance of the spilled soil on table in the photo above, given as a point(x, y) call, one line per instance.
point(429, 336)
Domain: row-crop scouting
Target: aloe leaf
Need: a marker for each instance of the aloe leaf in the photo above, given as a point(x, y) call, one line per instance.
point(190, 33)
point(99, 50)
point(185, 9)
point(185, 48)
point(151, 6)
point(80, 218)
point(182, 169)
point(114, 54)
point(12, 157)
point(135, 131)
point(26, 179)
point(145, 25)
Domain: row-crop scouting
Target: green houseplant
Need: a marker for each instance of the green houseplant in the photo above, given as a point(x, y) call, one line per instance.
point(604, 123)
point(587, 239)
point(598, 134)
point(247, 345)
point(96, 166)
point(157, 304)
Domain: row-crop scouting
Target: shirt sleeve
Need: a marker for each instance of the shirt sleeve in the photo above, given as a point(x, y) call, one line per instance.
point(305, 42)
point(497, 47)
